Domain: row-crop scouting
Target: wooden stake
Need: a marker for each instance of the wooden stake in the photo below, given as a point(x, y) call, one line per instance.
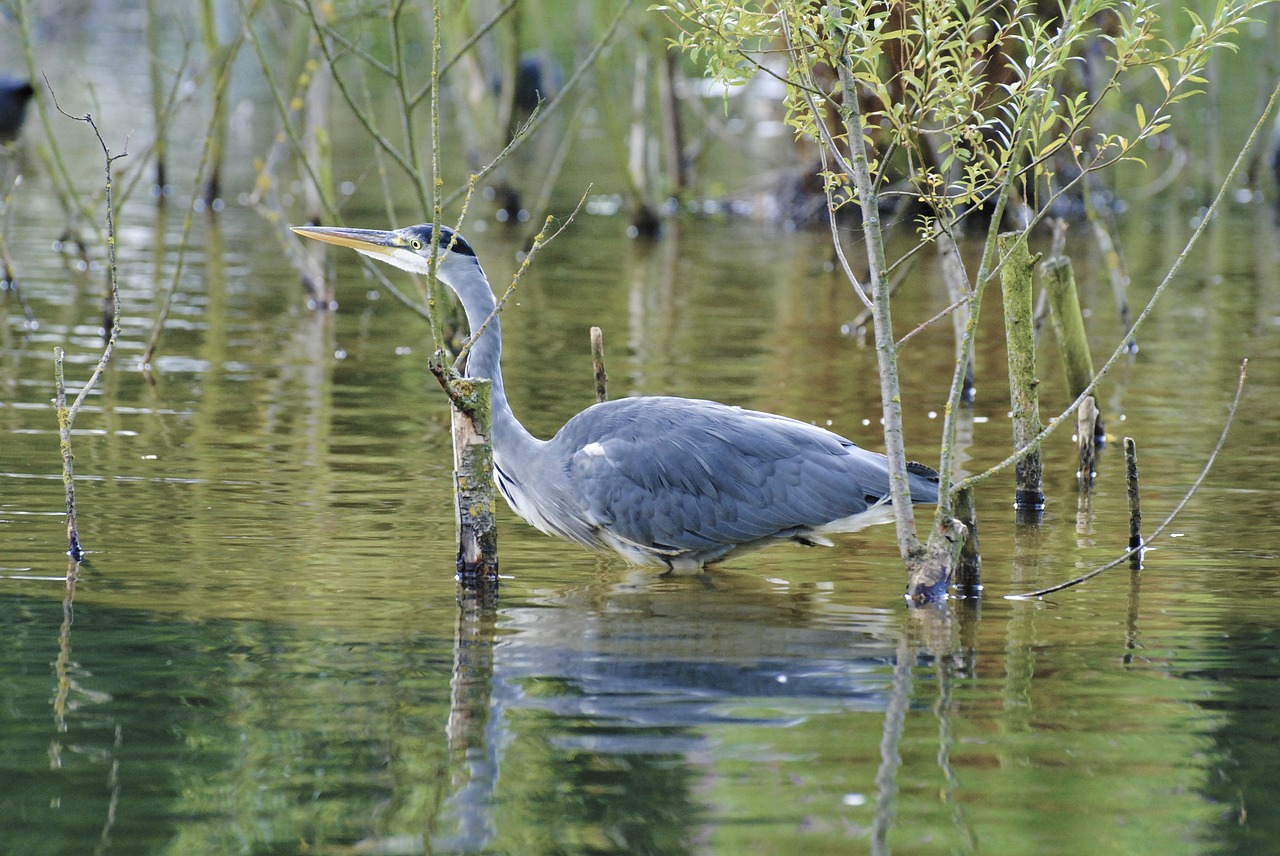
point(1135, 503)
point(1068, 328)
point(473, 491)
point(1086, 420)
point(597, 360)
point(1015, 284)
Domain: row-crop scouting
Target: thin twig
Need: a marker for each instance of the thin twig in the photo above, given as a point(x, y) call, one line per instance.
point(432, 288)
point(929, 322)
point(67, 414)
point(74, 550)
point(539, 241)
point(827, 146)
point(545, 111)
point(363, 116)
point(480, 33)
point(1213, 456)
point(407, 127)
point(287, 116)
point(114, 333)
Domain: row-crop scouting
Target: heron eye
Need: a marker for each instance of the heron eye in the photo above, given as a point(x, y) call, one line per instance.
point(416, 244)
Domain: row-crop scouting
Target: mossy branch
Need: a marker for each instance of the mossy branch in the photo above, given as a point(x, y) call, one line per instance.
point(539, 241)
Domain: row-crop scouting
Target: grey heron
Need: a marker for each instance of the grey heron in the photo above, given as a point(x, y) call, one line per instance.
point(674, 482)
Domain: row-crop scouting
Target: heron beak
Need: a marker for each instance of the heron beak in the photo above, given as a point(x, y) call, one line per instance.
point(370, 241)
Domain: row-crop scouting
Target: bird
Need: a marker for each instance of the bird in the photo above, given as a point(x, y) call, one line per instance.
point(678, 483)
point(15, 92)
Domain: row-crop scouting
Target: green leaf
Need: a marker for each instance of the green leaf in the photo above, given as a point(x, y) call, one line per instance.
point(1163, 75)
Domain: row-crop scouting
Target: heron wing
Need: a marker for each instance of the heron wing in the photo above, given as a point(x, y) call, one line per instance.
point(682, 475)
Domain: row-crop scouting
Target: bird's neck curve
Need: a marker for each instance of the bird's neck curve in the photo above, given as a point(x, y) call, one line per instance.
point(484, 359)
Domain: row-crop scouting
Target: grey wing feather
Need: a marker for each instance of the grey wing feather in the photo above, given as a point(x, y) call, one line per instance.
point(682, 475)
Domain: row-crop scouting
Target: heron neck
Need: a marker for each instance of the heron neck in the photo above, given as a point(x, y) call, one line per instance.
point(485, 360)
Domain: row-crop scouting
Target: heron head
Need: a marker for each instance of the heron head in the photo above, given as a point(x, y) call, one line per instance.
point(408, 248)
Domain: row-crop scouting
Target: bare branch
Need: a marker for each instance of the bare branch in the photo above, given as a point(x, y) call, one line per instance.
point(540, 240)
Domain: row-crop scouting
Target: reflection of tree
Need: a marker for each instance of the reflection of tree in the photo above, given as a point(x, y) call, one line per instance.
point(331, 741)
point(618, 803)
point(890, 757)
point(948, 636)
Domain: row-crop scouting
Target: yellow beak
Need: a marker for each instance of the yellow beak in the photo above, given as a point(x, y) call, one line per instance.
point(365, 240)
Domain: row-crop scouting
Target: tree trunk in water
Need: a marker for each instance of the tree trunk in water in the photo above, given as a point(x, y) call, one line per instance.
point(1015, 284)
point(969, 567)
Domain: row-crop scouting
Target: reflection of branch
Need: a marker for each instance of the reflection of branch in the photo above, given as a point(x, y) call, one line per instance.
point(62, 692)
point(64, 656)
point(1131, 619)
point(946, 674)
point(895, 717)
point(1132, 551)
point(113, 779)
point(206, 157)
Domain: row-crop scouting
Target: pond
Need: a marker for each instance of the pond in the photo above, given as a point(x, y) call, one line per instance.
point(264, 651)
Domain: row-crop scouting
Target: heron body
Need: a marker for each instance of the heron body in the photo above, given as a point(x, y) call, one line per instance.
point(675, 482)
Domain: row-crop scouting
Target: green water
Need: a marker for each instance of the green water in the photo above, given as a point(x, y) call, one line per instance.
point(263, 652)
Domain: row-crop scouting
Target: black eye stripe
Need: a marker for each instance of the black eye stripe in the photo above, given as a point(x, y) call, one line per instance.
point(420, 236)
